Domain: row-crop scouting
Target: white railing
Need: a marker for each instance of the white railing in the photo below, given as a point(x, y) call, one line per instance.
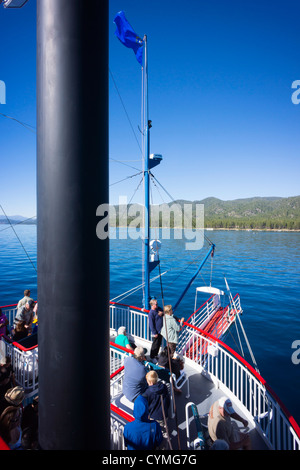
point(10, 312)
point(116, 434)
point(243, 385)
point(221, 364)
point(135, 321)
point(24, 363)
point(202, 315)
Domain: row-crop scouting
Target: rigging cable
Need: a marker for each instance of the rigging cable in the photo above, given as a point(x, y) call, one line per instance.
point(19, 239)
point(168, 349)
point(242, 328)
point(124, 179)
point(18, 223)
point(126, 164)
point(134, 289)
point(173, 200)
point(125, 110)
point(27, 126)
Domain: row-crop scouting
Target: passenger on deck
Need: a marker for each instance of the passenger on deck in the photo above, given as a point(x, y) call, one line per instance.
point(26, 314)
point(35, 319)
point(3, 323)
point(25, 299)
point(19, 332)
point(13, 397)
point(122, 339)
point(177, 365)
point(134, 382)
point(220, 425)
point(29, 425)
point(171, 328)
point(163, 361)
point(156, 323)
point(153, 394)
point(7, 376)
point(142, 434)
point(10, 427)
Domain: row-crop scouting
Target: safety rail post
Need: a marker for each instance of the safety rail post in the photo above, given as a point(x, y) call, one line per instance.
point(231, 372)
point(24, 363)
point(10, 312)
point(135, 321)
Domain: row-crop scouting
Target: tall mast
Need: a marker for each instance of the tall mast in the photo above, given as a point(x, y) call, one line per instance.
point(146, 128)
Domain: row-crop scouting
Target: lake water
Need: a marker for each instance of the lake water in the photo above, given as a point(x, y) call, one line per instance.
point(263, 267)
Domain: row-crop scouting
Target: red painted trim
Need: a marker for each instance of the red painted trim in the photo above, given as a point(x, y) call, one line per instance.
point(130, 306)
point(290, 418)
point(116, 372)
point(200, 307)
point(19, 346)
point(236, 295)
point(120, 347)
point(121, 413)
point(7, 306)
point(288, 415)
point(3, 445)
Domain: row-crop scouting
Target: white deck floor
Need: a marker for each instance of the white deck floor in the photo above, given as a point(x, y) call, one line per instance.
point(203, 393)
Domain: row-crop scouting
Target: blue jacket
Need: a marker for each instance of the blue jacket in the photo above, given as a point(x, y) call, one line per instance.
point(142, 434)
point(153, 394)
point(155, 322)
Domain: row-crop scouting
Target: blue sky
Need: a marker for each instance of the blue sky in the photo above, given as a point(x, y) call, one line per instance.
point(220, 87)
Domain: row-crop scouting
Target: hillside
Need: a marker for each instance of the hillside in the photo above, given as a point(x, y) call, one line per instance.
point(17, 219)
point(251, 213)
point(256, 212)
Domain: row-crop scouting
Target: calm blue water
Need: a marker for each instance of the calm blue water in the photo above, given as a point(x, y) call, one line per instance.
point(262, 267)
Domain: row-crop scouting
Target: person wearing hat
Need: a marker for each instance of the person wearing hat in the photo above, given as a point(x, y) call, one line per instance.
point(13, 397)
point(26, 314)
point(220, 425)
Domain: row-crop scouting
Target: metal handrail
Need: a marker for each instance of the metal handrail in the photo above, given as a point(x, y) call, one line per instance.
point(239, 380)
point(244, 385)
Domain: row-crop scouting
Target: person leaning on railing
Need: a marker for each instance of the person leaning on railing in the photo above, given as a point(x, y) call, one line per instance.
point(171, 328)
point(122, 339)
point(25, 299)
point(26, 314)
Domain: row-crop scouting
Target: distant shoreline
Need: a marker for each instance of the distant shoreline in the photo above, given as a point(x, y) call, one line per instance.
point(209, 229)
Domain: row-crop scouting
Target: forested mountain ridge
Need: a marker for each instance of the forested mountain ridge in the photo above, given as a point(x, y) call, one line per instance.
point(255, 212)
point(266, 213)
point(250, 213)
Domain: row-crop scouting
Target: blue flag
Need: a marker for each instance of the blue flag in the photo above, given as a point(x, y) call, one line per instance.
point(128, 37)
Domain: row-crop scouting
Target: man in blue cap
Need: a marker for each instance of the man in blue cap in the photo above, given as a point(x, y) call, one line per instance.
point(220, 425)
